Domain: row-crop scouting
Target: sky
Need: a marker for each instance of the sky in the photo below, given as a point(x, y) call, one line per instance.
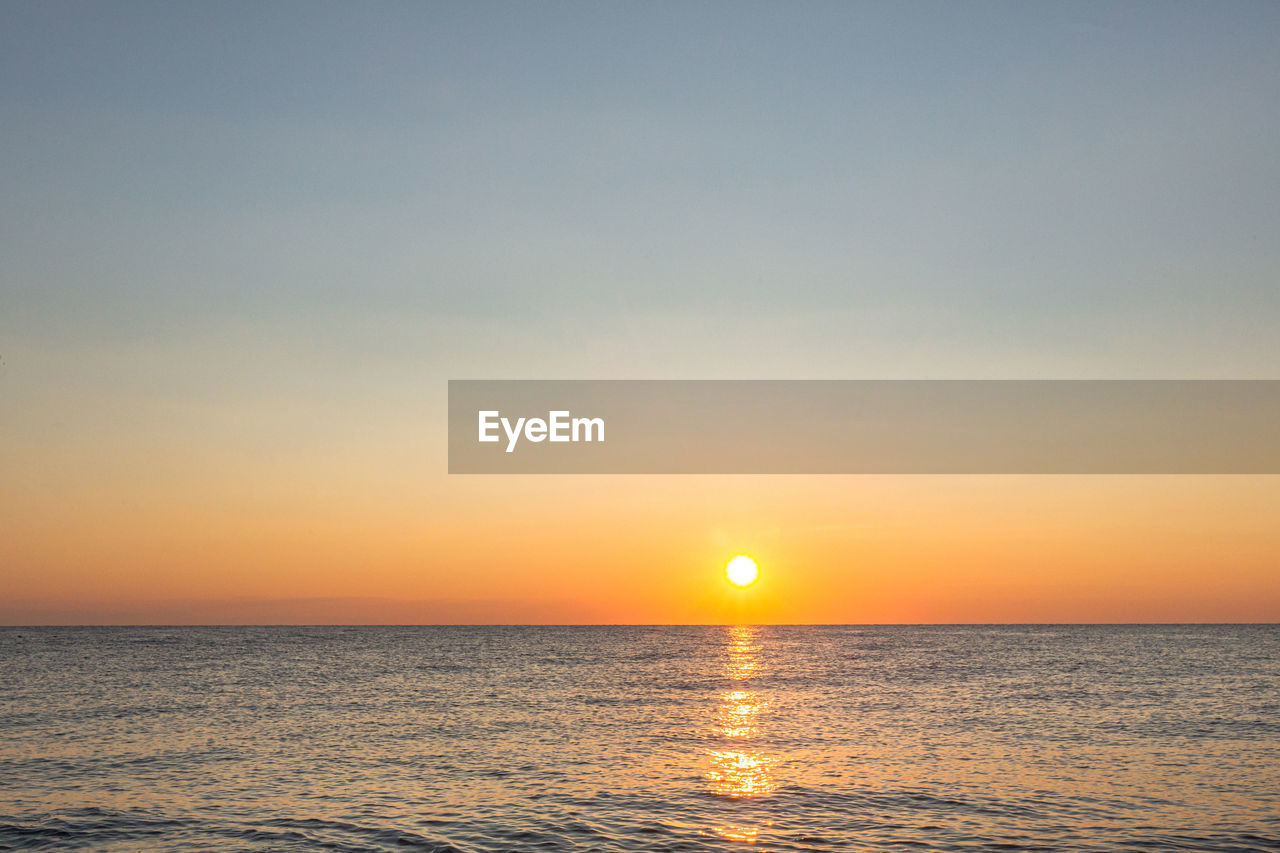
point(245, 245)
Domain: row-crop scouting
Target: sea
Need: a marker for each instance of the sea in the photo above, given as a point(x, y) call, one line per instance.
point(470, 739)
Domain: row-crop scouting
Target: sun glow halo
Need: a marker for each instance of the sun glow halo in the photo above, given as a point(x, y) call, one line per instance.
point(742, 571)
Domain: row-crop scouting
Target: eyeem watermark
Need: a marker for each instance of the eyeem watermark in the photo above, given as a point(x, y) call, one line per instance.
point(864, 427)
point(559, 426)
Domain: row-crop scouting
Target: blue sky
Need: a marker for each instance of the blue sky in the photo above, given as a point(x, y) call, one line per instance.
point(705, 189)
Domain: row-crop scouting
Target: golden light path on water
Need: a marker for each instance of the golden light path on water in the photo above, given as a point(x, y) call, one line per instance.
point(737, 769)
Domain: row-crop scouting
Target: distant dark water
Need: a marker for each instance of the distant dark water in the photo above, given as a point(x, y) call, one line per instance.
point(644, 739)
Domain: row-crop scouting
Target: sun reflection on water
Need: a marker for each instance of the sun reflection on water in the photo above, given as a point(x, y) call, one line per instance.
point(749, 834)
point(735, 769)
point(736, 717)
point(740, 774)
point(744, 652)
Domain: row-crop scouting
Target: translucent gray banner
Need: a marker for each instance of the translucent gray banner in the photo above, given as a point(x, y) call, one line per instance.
point(864, 427)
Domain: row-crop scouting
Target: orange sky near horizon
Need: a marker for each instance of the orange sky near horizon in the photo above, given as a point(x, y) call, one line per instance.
point(376, 544)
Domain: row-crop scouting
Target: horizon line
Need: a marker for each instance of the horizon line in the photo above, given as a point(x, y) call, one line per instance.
point(630, 624)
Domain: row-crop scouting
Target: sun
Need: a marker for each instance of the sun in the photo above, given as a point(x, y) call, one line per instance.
point(741, 571)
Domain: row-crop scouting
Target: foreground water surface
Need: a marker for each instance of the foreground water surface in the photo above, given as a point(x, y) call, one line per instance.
point(645, 739)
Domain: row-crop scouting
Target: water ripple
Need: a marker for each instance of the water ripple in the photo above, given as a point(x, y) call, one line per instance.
point(641, 739)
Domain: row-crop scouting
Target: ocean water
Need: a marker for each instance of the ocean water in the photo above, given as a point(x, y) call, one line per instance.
point(641, 739)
